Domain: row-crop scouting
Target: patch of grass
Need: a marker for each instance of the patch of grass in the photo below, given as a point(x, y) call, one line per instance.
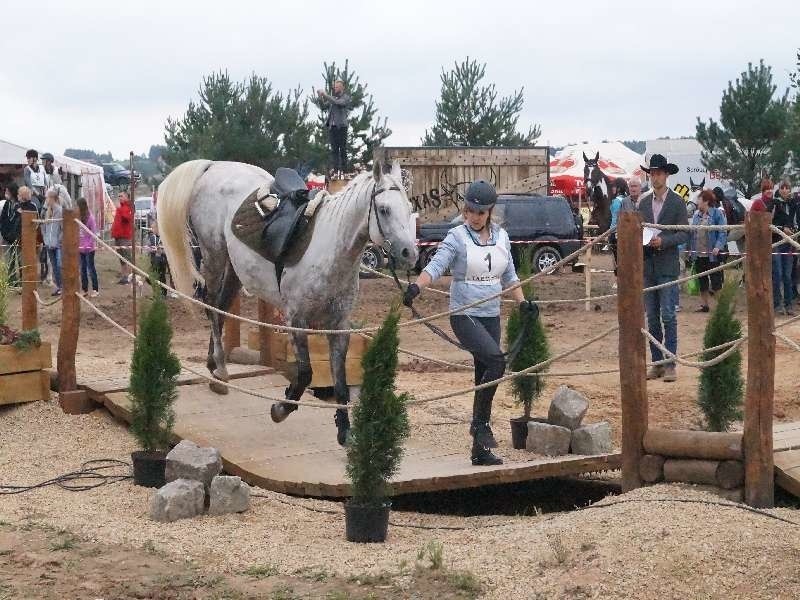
point(434, 552)
point(557, 547)
point(284, 593)
point(314, 574)
point(150, 548)
point(65, 543)
point(261, 571)
point(465, 581)
point(337, 595)
point(205, 581)
point(382, 578)
point(6, 592)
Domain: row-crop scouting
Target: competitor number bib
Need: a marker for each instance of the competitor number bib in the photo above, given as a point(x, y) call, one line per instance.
point(485, 264)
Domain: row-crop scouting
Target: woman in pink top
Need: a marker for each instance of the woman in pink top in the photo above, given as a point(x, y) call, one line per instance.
point(86, 245)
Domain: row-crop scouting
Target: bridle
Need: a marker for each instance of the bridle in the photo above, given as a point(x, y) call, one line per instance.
point(386, 244)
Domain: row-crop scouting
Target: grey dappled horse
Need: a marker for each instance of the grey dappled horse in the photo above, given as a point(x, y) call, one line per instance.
point(318, 291)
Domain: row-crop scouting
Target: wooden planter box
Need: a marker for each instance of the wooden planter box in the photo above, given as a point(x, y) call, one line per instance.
point(22, 374)
point(283, 355)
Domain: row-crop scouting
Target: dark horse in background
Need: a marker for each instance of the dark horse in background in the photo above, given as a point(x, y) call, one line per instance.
point(597, 186)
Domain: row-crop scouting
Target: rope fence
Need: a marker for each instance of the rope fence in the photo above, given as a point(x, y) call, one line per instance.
point(734, 346)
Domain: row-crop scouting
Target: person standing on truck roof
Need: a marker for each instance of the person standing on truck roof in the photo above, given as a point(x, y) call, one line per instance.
point(478, 255)
point(338, 109)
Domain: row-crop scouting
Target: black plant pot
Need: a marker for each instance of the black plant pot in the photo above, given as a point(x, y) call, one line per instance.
point(366, 523)
point(519, 431)
point(149, 468)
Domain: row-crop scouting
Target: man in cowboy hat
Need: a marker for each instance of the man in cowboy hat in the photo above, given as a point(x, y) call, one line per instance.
point(661, 262)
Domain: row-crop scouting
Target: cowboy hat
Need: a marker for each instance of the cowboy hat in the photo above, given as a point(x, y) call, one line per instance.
point(658, 161)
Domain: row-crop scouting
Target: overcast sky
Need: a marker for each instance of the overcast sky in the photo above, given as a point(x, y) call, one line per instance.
point(106, 75)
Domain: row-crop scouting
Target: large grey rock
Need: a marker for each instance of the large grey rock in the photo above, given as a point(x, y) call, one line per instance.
point(592, 439)
point(567, 408)
point(228, 495)
point(187, 460)
point(547, 439)
point(179, 499)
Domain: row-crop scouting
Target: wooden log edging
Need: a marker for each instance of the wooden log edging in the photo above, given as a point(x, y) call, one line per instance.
point(726, 474)
point(681, 443)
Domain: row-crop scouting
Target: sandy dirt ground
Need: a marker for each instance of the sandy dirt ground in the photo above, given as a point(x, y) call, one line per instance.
point(650, 546)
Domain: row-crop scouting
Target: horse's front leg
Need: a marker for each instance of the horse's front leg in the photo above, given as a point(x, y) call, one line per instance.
point(338, 354)
point(302, 377)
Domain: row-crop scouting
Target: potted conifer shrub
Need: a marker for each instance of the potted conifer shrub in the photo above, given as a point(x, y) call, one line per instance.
point(152, 391)
point(380, 424)
point(721, 386)
point(534, 350)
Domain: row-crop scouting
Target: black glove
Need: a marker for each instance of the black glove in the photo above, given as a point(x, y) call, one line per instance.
point(529, 308)
point(412, 291)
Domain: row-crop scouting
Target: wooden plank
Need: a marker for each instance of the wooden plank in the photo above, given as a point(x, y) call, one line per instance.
point(18, 361)
point(30, 386)
point(301, 456)
point(758, 451)
point(787, 471)
point(632, 349)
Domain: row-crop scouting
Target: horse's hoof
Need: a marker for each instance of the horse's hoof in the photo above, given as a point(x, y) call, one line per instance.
point(218, 388)
point(279, 411)
point(342, 420)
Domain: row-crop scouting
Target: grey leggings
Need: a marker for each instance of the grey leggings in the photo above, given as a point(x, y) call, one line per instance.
point(481, 337)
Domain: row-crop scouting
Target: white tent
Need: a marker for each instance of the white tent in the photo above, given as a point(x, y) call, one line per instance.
point(81, 178)
point(567, 168)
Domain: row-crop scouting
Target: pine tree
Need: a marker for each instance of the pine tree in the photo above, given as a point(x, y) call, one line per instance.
point(535, 348)
point(750, 140)
point(470, 114)
point(380, 420)
point(721, 386)
point(153, 383)
point(366, 130)
point(5, 287)
point(246, 122)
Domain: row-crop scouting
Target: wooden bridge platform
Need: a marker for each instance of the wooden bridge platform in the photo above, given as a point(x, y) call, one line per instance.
point(786, 445)
point(300, 456)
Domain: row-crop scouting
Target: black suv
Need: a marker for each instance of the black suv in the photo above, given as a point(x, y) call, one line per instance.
point(116, 174)
point(547, 223)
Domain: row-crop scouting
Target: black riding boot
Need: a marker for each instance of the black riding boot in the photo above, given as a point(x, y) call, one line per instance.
point(342, 420)
point(480, 429)
point(482, 456)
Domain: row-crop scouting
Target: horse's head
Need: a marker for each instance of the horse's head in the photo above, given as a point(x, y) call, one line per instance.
point(390, 216)
point(697, 187)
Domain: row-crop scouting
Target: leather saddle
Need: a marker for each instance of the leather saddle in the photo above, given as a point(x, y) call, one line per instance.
point(287, 221)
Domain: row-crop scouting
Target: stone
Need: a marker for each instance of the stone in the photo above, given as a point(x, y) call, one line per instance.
point(550, 440)
point(228, 495)
point(567, 408)
point(179, 499)
point(592, 439)
point(187, 460)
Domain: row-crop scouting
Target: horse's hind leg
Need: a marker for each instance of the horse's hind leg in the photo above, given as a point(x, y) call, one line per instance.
point(221, 296)
point(338, 353)
point(302, 377)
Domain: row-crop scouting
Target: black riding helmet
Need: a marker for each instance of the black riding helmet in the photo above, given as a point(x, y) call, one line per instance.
point(47, 156)
point(480, 195)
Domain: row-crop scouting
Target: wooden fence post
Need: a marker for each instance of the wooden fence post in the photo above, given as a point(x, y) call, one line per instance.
point(72, 400)
point(759, 485)
point(29, 272)
point(632, 348)
point(232, 338)
point(267, 314)
point(587, 276)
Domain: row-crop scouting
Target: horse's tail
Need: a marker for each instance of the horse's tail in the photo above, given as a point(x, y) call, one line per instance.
point(172, 210)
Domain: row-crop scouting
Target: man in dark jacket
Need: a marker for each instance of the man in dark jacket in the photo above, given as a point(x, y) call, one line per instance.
point(661, 262)
point(10, 229)
point(338, 109)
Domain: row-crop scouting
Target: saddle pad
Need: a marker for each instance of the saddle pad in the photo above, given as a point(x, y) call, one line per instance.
point(247, 223)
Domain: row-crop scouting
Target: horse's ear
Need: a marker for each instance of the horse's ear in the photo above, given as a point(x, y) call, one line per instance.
point(691, 183)
point(703, 183)
point(377, 169)
point(597, 156)
point(585, 158)
point(396, 172)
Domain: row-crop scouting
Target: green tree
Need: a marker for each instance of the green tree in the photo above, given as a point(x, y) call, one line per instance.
point(750, 140)
point(366, 129)
point(794, 122)
point(470, 114)
point(380, 420)
point(535, 348)
point(154, 372)
point(246, 122)
point(721, 386)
